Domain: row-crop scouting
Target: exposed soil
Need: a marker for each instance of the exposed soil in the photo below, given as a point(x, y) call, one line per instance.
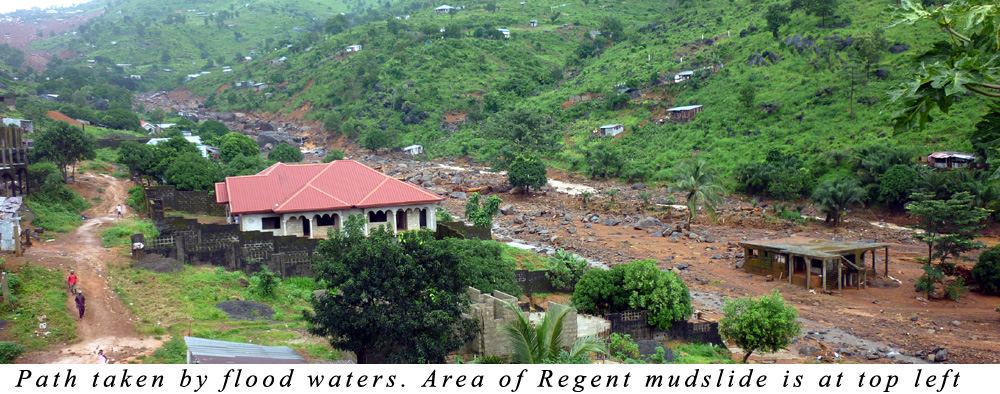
point(246, 310)
point(106, 323)
point(20, 35)
point(59, 116)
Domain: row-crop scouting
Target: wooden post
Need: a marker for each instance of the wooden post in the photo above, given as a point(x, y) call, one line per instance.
point(3, 287)
point(788, 262)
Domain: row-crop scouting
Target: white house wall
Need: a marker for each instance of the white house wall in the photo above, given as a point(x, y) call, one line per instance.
point(291, 223)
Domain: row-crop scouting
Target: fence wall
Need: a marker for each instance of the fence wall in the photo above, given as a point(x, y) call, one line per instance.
point(196, 202)
point(532, 282)
point(636, 324)
point(224, 245)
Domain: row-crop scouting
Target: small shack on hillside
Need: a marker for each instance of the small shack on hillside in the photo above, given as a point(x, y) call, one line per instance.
point(814, 262)
point(414, 150)
point(444, 9)
point(611, 130)
point(685, 113)
point(353, 48)
point(950, 159)
point(208, 351)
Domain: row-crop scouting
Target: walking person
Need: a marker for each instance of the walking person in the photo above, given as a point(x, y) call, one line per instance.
point(101, 358)
point(71, 281)
point(81, 303)
point(119, 211)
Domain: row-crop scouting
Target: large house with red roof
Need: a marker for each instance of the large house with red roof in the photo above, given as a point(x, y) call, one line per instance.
point(310, 199)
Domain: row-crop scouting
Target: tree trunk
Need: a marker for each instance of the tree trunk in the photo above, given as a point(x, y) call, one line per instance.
point(930, 252)
point(362, 355)
point(747, 356)
point(852, 93)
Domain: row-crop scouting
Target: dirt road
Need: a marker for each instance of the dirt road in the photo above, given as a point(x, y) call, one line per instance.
point(106, 323)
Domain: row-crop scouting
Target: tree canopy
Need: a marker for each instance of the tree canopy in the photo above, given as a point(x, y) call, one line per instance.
point(192, 171)
point(949, 225)
point(285, 153)
point(638, 285)
point(527, 173)
point(137, 157)
point(763, 324)
point(509, 134)
point(64, 145)
point(389, 301)
point(234, 144)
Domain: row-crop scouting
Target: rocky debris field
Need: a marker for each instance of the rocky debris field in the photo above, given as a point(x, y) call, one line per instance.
point(246, 310)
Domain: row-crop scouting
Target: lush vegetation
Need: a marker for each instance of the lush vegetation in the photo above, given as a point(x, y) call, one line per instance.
point(381, 293)
point(986, 272)
point(543, 343)
point(638, 285)
point(38, 292)
point(56, 207)
point(121, 233)
point(10, 351)
point(764, 324)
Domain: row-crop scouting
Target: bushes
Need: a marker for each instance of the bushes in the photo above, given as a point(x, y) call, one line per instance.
point(9, 352)
point(56, 207)
point(766, 324)
point(633, 286)
point(987, 271)
point(335, 154)
point(780, 176)
point(565, 269)
point(121, 233)
point(482, 263)
point(136, 199)
point(264, 284)
point(896, 185)
point(285, 153)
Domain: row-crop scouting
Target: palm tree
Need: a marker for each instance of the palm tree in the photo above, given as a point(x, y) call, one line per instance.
point(542, 343)
point(834, 196)
point(697, 179)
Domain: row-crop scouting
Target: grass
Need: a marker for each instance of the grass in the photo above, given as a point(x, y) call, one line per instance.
point(120, 234)
point(183, 303)
point(42, 293)
point(59, 212)
point(526, 259)
point(698, 353)
point(95, 166)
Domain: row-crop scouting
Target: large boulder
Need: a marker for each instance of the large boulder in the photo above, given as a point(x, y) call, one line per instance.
point(647, 223)
point(899, 48)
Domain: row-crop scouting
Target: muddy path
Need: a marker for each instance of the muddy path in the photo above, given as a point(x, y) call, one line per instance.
point(106, 323)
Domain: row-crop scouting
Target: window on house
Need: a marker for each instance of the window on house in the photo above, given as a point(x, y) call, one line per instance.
point(271, 223)
point(377, 217)
point(326, 220)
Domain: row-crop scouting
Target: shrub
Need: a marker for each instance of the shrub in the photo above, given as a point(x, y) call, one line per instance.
point(264, 284)
point(927, 282)
point(136, 199)
point(896, 185)
point(172, 352)
point(565, 269)
point(121, 233)
point(10, 351)
point(285, 153)
point(335, 154)
point(482, 215)
point(956, 288)
point(987, 271)
point(638, 285)
point(482, 264)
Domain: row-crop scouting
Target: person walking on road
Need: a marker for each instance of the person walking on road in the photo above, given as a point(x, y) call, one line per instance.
point(81, 303)
point(101, 358)
point(71, 282)
point(119, 211)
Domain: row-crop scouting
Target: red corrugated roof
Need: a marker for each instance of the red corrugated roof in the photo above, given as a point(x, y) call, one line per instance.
point(337, 185)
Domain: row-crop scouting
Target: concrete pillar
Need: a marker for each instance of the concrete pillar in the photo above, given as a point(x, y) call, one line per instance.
point(886, 261)
point(824, 275)
point(808, 273)
point(840, 277)
point(789, 263)
point(432, 218)
point(390, 218)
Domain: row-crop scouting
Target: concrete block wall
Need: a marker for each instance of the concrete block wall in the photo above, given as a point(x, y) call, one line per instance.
point(493, 314)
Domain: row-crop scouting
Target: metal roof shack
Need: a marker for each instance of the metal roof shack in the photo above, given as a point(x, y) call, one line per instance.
point(685, 113)
point(950, 159)
point(834, 263)
point(208, 351)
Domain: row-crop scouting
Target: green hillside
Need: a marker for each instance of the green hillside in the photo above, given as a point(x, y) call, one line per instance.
point(411, 77)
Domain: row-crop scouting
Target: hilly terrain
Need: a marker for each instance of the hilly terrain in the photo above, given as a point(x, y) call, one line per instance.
point(433, 79)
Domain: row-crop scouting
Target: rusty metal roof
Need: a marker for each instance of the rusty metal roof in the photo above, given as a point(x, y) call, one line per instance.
point(208, 351)
point(338, 185)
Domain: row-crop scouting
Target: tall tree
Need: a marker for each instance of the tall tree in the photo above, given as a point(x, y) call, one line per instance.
point(389, 301)
point(776, 16)
point(697, 180)
point(192, 171)
point(822, 8)
point(64, 145)
point(509, 134)
point(285, 153)
point(871, 45)
point(527, 173)
point(835, 196)
point(949, 225)
point(137, 157)
point(764, 324)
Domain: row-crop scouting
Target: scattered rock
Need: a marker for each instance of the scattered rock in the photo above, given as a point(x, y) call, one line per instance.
point(899, 48)
point(458, 195)
point(647, 223)
point(808, 350)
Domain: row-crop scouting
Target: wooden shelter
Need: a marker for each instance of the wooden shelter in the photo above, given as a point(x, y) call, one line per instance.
point(813, 262)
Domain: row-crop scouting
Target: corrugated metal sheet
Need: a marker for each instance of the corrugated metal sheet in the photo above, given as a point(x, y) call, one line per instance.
point(221, 194)
point(337, 185)
point(208, 351)
point(957, 155)
point(10, 205)
point(684, 108)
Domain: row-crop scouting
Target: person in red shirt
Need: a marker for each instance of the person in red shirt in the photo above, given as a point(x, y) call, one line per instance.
point(71, 281)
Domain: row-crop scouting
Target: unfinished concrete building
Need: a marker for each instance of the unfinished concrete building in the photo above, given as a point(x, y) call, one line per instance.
point(492, 313)
point(814, 263)
point(13, 162)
